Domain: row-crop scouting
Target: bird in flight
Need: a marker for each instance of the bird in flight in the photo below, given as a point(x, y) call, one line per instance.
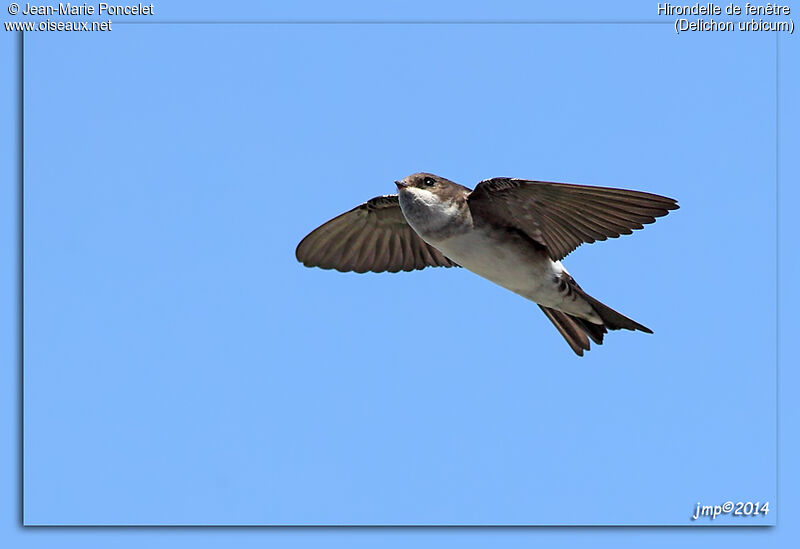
point(514, 232)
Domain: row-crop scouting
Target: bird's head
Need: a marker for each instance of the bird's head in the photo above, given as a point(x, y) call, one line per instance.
point(430, 202)
point(422, 181)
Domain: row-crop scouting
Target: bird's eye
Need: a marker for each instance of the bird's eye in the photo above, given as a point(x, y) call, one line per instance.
point(428, 182)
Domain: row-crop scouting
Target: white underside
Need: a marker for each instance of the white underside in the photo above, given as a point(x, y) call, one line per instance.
point(495, 258)
point(513, 269)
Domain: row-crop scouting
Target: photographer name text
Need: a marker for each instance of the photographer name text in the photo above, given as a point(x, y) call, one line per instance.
point(67, 8)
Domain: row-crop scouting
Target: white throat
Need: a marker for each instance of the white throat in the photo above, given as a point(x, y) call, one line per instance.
point(427, 214)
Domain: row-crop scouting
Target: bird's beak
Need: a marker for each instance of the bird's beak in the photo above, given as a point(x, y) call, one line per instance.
point(401, 185)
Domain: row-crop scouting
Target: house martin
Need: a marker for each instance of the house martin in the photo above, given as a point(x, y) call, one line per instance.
point(514, 232)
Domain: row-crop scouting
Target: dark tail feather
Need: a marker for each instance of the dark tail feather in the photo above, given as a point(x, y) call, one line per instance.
point(577, 331)
point(594, 331)
point(612, 319)
point(569, 327)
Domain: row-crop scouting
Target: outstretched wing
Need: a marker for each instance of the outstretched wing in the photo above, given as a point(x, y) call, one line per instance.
point(562, 216)
point(371, 237)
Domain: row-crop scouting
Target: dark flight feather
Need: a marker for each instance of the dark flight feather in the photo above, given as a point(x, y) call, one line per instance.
point(371, 237)
point(562, 216)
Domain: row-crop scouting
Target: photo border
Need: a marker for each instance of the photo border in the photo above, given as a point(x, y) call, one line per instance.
point(20, 125)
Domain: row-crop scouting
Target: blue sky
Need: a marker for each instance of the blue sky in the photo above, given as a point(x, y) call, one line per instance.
point(181, 367)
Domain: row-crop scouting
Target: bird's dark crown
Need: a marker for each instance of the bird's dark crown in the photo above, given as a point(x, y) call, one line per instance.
point(432, 182)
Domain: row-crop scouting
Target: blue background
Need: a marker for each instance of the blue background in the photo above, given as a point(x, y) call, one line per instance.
point(182, 367)
point(186, 437)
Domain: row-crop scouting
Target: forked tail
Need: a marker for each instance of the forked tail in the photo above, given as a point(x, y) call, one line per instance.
point(578, 331)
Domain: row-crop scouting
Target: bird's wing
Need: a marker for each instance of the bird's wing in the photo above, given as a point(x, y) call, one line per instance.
point(562, 216)
point(371, 237)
